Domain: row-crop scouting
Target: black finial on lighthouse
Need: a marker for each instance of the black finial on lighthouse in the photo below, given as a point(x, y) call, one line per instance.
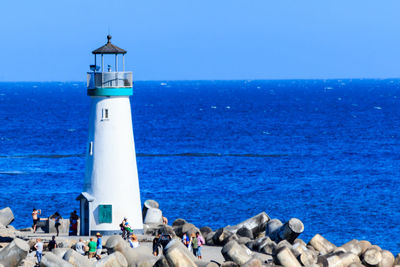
point(109, 39)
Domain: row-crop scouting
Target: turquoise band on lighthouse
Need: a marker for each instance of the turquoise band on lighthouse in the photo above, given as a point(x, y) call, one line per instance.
point(124, 91)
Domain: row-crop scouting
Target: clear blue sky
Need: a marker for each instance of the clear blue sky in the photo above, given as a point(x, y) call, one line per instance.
point(209, 39)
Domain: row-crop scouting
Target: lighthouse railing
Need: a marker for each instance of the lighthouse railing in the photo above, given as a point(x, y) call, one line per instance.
point(109, 79)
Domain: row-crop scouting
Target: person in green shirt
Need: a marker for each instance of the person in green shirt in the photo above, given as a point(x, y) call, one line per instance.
point(92, 248)
point(195, 244)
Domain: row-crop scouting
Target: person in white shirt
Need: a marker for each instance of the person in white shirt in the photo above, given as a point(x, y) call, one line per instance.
point(80, 247)
point(39, 250)
point(133, 241)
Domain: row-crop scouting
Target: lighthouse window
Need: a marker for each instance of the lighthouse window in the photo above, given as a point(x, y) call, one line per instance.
point(104, 115)
point(91, 148)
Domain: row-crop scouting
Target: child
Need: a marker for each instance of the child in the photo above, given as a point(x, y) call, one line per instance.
point(92, 248)
point(99, 246)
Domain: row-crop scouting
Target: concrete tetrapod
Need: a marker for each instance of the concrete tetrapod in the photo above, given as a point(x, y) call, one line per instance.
point(256, 224)
point(239, 254)
point(273, 227)
point(6, 216)
point(51, 260)
point(252, 263)
point(291, 230)
point(372, 256)
point(76, 259)
point(113, 260)
point(149, 203)
point(319, 243)
point(387, 259)
point(178, 255)
point(153, 216)
point(14, 253)
point(59, 252)
point(116, 243)
point(286, 258)
point(342, 259)
point(352, 246)
point(139, 257)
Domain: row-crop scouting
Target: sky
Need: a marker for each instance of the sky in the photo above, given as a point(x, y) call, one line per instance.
point(47, 40)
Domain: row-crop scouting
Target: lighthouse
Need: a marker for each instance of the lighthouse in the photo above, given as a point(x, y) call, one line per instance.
point(111, 186)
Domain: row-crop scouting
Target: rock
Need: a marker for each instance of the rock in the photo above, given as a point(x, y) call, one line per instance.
point(291, 230)
point(286, 258)
point(397, 260)
point(283, 243)
point(223, 236)
point(229, 264)
point(209, 239)
point(179, 222)
point(153, 216)
point(178, 255)
point(187, 228)
point(352, 246)
point(244, 240)
point(76, 259)
point(116, 243)
point(272, 229)
point(149, 204)
point(205, 230)
point(115, 259)
point(252, 263)
point(364, 244)
point(59, 252)
point(63, 228)
point(162, 262)
point(206, 264)
point(14, 253)
point(267, 246)
point(322, 245)
point(387, 259)
point(6, 216)
point(372, 256)
point(307, 258)
point(51, 260)
point(256, 224)
point(342, 259)
point(264, 258)
point(166, 229)
point(139, 257)
point(245, 232)
point(232, 251)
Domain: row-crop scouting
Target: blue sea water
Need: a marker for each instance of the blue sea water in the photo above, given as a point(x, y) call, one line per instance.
point(219, 152)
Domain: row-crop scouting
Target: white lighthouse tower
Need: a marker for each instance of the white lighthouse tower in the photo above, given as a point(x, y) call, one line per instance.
point(111, 187)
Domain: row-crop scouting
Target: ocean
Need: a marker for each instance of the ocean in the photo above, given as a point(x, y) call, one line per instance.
point(218, 152)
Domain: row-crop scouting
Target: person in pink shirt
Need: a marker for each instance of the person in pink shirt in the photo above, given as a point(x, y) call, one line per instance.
point(200, 242)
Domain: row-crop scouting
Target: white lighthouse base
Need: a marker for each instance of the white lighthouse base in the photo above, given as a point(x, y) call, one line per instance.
point(111, 178)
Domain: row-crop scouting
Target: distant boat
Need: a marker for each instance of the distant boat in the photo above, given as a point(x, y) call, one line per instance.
point(328, 88)
point(163, 84)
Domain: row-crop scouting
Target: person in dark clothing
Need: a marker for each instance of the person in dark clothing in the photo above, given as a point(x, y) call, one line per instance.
point(163, 240)
point(156, 245)
point(52, 244)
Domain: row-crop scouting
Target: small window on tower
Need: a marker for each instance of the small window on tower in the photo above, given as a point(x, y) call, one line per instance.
point(91, 148)
point(104, 114)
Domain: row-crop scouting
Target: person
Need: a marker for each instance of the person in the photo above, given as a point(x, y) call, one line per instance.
point(73, 220)
point(80, 247)
point(122, 226)
point(52, 244)
point(163, 240)
point(156, 245)
point(35, 218)
point(185, 240)
point(200, 242)
point(39, 250)
point(194, 243)
point(92, 248)
point(133, 241)
point(127, 228)
point(56, 217)
point(164, 220)
point(99, 246)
